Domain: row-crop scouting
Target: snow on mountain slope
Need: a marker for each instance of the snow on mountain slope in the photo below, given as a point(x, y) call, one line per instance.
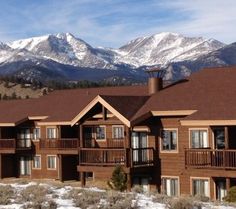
point(63, 48)
point(164, 48)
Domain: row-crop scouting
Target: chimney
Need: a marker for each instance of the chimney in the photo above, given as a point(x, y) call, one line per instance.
point(155, 80)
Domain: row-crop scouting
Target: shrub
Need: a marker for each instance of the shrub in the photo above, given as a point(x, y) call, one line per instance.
point(6, 194)
point(231, 196)
point(116, 200)
point(86, 198)
point(137, 189)
point(118, 179)
point(161, 198)
point(183, 203)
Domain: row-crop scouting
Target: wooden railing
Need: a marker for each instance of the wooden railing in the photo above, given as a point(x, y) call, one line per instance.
point(142, 156)
point(58, 143)
point(111, 156)
point(109, 143)
point(7, 144)
point(23, 143)
point(209, 158)
point(90, 156)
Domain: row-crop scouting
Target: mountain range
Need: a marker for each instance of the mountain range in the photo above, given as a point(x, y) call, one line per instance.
point(65, 57)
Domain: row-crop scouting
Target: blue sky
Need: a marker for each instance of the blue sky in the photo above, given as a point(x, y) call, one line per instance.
point(112, 23)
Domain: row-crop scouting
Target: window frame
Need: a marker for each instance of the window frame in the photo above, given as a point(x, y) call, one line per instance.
point(33, 134)
point(55, 162)
point(198, 129)
point(56, 132)
point(123, 133)
point(178, 184)
point(203, 179)
point(40, 162)
point(95, 133)
point(177, 141)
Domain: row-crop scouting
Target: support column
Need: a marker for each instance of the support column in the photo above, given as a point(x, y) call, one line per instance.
point(227, 184)
point(226, 137)
point(81, 136)
point(0, 166)
point(129, 182)
point(104, 113)
point(60, 176)
point(82, 179)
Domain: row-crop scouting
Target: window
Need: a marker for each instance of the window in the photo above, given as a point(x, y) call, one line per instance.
point(169, 140)
point(100, 132)
point(118, 132)
point(36, 133)
point(37, 161)
point(200, 187)
point(51, 133)
point(170, 186)
point(199, 138)
point(52, 162)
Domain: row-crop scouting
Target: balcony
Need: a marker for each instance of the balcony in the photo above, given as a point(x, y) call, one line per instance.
point(210, 158)
point(60, 146)
point(11, 145)
point(112, 157)
point(109, 143)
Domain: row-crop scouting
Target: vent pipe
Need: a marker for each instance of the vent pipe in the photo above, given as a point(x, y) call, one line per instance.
point(155, 80)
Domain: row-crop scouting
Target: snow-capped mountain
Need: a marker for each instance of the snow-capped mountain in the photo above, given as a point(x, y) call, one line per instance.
point(63, 48)
point(164, 48)
point(63, 55)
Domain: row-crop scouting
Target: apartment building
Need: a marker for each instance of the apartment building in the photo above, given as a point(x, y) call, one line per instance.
point(178, 139)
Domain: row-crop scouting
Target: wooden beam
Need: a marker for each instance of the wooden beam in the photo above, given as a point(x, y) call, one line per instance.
point(82, 179)
point(104, 113)
point(227, 184)
point(226, 137)
point(129, 183)
point(81, 135)
point(1, 166)
point(60, 176)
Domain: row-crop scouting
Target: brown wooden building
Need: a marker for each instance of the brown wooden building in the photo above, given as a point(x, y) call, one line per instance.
point(178, 139)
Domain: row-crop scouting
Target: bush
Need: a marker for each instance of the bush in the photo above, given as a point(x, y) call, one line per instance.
point(183, 203)
point(116, 200)
point(118, 179)
point(231, 196)
point(137, 189)
point(161, 198)
point(85, 198)
point(6, 194)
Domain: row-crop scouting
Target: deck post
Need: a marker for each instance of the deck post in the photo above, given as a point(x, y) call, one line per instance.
point(60, 168)
point(129, 183)
point(81, 135)
point(226, 137)
point(82, 179)
point(0, 166)
point(227, 184)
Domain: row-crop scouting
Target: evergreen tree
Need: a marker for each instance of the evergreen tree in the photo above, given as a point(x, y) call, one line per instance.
point(118, 179)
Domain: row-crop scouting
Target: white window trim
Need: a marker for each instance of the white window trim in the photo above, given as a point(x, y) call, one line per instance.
point(171, 177)
point(200, 178)
point(55, 162)
point(47, 132)
point(39, 134)
point(33, 162)
point(177, 144)
point(198, 129)
point(118, 126)
point(95, 133)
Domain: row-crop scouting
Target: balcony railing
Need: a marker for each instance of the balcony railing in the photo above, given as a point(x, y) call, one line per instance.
point(7, 143)
point(142, 156)
point(90, 156)
point(111, 156)
point(210, 158)
point(109, 143)
point(23, 143)
point(58, 143)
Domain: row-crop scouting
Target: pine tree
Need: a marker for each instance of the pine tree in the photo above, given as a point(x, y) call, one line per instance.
point(118, 179)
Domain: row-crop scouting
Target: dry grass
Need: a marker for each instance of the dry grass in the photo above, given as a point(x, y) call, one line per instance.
point(6, 194)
